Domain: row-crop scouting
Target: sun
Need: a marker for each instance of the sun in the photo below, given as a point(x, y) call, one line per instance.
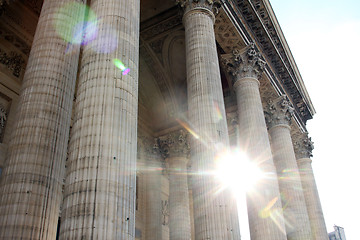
point(236, 171)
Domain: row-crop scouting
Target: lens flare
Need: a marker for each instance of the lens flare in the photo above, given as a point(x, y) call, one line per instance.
point(236, 171)
point(186, 126)
point(219, 116)
point(76, 23)
point(106, 40)
point(121, 66)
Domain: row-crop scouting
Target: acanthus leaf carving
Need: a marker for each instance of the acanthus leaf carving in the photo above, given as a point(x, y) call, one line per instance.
point(279, 112)
point(303, 146)
point(212, 5)
point(174, 144)
point(248, 63)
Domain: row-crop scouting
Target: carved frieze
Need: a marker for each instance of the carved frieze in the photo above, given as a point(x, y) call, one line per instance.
point(19, 43)
point(248, 63)
point(13, 61)
point(278, 112)
point(174, 144)
point(226, 34)
point(303, 146)
point(154, 30)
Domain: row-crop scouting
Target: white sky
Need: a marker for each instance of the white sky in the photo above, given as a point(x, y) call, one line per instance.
point(324, 37)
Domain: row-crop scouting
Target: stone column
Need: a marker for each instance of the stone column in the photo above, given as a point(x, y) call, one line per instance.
point(175, 149)
point(278, 116)
point(99, 198)
point(303, 150)
point(206, 112)
point(153, 191)
point(31, 184)
point(264, 203)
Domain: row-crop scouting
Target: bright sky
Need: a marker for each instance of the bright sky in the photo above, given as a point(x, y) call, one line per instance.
point(324, 37)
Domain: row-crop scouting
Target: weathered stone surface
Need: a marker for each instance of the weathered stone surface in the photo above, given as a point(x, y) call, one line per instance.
point(212, 213)
point(99, 197)
point(246, 67)
point(31, 186)
point(278, 115)
point(303, 150)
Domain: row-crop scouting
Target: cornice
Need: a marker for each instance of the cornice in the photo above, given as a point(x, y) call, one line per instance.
point(258, 21)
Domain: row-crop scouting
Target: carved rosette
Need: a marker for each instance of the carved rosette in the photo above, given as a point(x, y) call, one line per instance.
point(3, 118)
point(175, 144)
point(246, 64)
point(211, 5)
point(279, 112)
point(303, 146)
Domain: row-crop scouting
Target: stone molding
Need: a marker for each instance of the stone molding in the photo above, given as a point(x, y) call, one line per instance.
point(279, 112)
point(175, 144)
point(303, 146)
point(244, 64)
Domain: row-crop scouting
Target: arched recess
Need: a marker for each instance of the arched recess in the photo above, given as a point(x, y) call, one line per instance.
point(175, 64)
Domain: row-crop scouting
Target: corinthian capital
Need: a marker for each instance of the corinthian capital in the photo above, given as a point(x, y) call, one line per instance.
point(174, 144)
point(279, 112)
point(303, 146)
point(187, 5)
point(242, 64)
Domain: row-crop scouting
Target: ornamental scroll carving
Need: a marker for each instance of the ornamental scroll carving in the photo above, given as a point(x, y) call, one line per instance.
point(279, 112)
point(303, 146)
point(242, 64)
point(212, 5)
point(3, 118)
point(174, 144)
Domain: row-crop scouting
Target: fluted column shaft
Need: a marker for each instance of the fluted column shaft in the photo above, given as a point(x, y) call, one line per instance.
point(254, 139)
point(31, 184)
point(212, 216)
point(278, 116)
point(153, 200)
point(99, 198)
point(179, 218)
point(312, 199)
point(264, 203)
point(175, 149)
